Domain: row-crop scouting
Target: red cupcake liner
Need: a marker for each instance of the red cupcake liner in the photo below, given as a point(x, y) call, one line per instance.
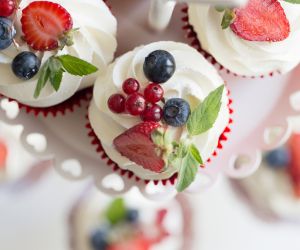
point(69, 105)
point(130, 175)
point(194, 42)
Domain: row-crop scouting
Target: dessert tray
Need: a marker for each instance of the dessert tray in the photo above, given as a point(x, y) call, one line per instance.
point(262, 111)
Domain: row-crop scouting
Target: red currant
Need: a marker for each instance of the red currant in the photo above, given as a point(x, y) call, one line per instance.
point(153, 93)
point(152, 113)
point(135, 104)
point(7, 7)
point(116, 103)
point(131, 86)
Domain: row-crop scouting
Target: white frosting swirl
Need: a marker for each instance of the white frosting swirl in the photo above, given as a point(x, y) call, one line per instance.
point(95, 42)
point(246, 57)
point(193, 80)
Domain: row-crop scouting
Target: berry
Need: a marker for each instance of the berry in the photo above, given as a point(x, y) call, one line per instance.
point(7, 7)
point(176, 112)
point(131, 86)
point(261, 20)
point(132, 215)
point(98, 239)
point(135, 104)
point(3, 154)
point(44, 24)
point(26, 65)
point(136, 144)
point(7, 33)
point(153, 93)
point(138, 243)
point(159, 66)
point(152, 113)
point(116, 103)
point(294, 167)
point(278, 158)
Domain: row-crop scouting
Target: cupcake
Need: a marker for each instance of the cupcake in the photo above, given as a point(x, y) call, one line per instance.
point(274, 189)
point(101, 223)
point(160, 111)
point(256, 40)
point(51, 50)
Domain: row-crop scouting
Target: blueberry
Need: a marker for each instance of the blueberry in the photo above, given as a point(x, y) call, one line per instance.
point(98, 239)
point(7, 33)
point(25, 65)
point(159, 66)
point(132, 215)
point(176, 112)
point(278, 158)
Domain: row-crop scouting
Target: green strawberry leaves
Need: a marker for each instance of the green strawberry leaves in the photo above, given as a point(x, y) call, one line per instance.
point(228, 17)
point(54, 68)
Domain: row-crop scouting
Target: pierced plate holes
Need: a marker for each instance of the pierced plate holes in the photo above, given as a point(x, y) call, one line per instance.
point(114, 182)
point(37, 141)
point(11, 108)
point(273, 136)
point(72, 167)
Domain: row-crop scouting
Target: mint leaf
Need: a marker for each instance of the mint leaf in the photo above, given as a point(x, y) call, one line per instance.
point(187, 172)
point(228, 18)
point(195, 153)
point(55, 79)
point(43, 78)
point(76, 66)
point(220, 8)
point(116, 212)
point(206, 113)
point(293, 1)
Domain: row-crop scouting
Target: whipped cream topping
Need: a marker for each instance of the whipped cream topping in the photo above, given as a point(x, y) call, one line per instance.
point(246, 57)
point(193, 80)
point(95, 43)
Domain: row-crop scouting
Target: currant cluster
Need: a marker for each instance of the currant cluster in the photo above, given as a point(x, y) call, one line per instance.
point(136, 103)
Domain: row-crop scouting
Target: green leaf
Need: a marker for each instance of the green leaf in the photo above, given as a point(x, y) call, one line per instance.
point(55, 79)
point(220, 8)
point(195, 153)
point(206, 113)
point(228, 18)
point(293, 1)
point(116, 212)
point(187, 172)
point(43, 78)
point(76, 66)
point(157, 137)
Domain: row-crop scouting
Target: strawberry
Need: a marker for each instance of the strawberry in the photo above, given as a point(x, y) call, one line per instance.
point(3, 154)
point(136, 144)
point(261, 20)
point(294, 168)
point(44, 24)
point(140, 243)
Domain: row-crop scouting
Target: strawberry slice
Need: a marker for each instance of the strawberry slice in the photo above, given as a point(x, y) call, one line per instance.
point(261, 20)
point(136, 144)
point(44, 24)
point(294, 168)
point(3, 154)
point(140, 243)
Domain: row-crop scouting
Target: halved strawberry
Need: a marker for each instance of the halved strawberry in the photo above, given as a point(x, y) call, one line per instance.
point(139, 243)
point(261, 20)
point(44, 23)
point(136, 144)
point(294, 168)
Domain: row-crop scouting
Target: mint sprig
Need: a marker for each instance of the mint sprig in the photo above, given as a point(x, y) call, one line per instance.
point(293, 1)
point(187, 158)
point(54, 68)
point(206, 113)
point(116, 211)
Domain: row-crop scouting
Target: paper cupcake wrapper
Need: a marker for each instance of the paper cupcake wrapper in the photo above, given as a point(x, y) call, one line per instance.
point(194, 42)
point(60, 109)
point(95, 141)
